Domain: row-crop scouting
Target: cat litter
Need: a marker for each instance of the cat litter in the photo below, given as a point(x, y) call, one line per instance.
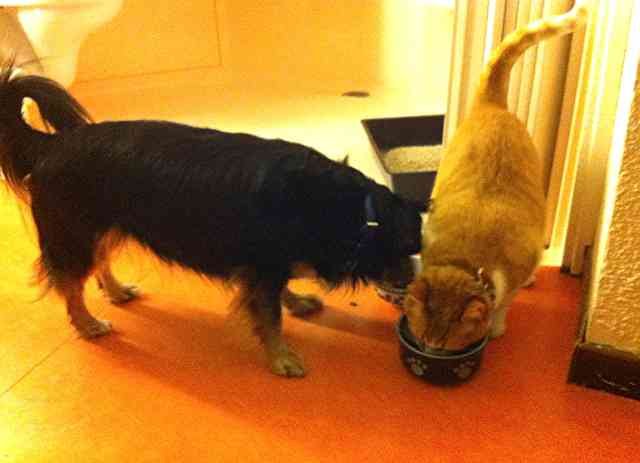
point(413, 159)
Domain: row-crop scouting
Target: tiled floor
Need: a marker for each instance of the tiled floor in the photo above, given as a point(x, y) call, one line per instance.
point(179, 382)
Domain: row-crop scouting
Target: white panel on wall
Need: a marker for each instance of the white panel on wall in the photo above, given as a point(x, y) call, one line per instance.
point(151, 37)
point(305, 43)
point(599, 88)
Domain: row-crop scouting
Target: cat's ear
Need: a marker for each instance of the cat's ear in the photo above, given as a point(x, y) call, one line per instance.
point(476, 311)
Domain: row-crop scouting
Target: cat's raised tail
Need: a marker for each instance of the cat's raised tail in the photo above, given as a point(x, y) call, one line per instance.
point(494, 81)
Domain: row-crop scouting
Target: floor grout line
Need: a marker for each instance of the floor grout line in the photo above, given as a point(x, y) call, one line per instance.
point(70, 338)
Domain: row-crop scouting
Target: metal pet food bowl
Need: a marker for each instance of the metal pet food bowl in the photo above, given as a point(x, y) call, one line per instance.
point(395, 292)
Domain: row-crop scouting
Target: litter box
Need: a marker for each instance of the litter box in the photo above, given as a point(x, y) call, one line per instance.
point(386, 134)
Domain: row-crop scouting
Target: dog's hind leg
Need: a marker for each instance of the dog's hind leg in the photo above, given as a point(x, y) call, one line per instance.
point(71, 287)
point(262, 301)
point(117, 292)
point(67, 244)
point(87, 325)
point(300, 305)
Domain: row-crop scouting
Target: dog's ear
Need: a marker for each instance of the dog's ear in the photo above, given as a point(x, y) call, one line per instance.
point(345, 160)
point(421, 206)
point(400, 222)
point(409, 230)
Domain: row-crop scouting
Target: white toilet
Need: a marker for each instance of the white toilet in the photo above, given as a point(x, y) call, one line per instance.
point(55, 30)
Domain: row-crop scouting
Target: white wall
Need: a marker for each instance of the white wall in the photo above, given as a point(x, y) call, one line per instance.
point(312, 45)
point(614, 315)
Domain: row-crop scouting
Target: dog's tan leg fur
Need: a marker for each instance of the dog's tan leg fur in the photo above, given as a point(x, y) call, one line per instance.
point(117, 292)
point(81, 319)
point(264, 310)
point(282, 360)
point(300, 304)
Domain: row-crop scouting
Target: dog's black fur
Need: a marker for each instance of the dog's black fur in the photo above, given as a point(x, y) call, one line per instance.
point(229, 206)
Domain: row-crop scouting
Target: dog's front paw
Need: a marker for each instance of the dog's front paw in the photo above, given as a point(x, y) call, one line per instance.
point(92, 327)
point(303, 305)
point(287, 363)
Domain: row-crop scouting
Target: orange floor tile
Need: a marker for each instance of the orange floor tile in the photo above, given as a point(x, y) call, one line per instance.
point(177, 382)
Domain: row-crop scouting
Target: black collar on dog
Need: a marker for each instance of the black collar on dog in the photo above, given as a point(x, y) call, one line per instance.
point(366, 232)
point(370, 215)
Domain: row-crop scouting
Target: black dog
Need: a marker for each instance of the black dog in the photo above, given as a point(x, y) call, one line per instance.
point(231, 206)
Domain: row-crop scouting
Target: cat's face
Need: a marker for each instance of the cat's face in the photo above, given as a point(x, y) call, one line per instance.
point(447, 309)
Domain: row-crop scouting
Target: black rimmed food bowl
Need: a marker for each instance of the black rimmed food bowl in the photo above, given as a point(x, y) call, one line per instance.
point(438, 367)
point(391, 294)
point(393, 288)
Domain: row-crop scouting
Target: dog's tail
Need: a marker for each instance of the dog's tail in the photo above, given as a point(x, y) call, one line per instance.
point(494, 81)
point(19, 143)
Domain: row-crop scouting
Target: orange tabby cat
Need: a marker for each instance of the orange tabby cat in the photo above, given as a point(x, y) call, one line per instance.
point(484, 235)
